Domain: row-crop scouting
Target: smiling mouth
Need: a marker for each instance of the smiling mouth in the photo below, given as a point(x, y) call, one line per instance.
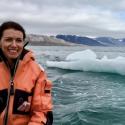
point(12, 51)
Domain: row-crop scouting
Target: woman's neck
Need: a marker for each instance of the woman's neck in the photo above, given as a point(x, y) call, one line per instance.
point(11, 63)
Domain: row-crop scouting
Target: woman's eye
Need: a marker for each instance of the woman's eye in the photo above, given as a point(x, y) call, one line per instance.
point(9, 39)
point(19, 40)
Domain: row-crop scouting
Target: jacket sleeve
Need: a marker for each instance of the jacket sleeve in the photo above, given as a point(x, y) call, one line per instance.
point(41, 104)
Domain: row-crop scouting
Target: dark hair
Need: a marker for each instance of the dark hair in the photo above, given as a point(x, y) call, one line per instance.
point(11, 25)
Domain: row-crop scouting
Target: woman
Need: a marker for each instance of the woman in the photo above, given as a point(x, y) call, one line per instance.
point(25, 91)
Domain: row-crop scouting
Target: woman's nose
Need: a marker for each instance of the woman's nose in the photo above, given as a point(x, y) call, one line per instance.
point(14, 43)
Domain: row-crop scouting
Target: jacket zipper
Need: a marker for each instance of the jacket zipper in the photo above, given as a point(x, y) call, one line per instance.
point(11, 76)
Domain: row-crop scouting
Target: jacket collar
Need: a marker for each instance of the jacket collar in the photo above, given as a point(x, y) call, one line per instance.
point(27, 56)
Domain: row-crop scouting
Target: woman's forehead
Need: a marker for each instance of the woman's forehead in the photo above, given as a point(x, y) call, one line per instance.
point(12, 33)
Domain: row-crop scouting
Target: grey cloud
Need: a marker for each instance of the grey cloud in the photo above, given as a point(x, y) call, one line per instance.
point(81, 17)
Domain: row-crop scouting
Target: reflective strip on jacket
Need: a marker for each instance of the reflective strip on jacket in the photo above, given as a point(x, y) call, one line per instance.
point(30, 84)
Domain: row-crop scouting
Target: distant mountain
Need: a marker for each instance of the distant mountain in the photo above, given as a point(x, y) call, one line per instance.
point(99, 41)
point(73, 40)
point(43, 40)
point(80, 40)
point(109, 41)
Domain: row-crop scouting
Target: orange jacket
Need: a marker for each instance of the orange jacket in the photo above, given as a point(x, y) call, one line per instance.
point(30, 84)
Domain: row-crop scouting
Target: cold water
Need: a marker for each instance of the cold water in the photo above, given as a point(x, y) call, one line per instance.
point(86, 97)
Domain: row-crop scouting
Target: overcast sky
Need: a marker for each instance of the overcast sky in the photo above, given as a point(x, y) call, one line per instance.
point(77, 17)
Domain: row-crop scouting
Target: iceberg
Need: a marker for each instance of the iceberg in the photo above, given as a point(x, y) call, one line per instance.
point(87, 61)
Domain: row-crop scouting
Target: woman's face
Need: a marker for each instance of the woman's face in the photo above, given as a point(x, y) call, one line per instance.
point(12, 43)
